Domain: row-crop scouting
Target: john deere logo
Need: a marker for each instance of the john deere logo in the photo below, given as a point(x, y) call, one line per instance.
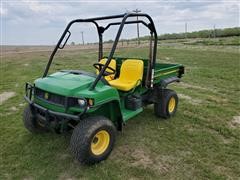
point(46, 96)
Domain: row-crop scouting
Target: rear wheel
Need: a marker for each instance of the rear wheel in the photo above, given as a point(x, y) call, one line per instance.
point(93, 139)
point(30, 121)
point(167, 105)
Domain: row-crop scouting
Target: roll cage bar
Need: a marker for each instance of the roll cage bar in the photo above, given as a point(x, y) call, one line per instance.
point(100, 30)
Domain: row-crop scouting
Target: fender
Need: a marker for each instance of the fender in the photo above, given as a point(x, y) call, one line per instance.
point(165, 82)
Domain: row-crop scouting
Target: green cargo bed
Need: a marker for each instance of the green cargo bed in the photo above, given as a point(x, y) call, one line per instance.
point(163, 71)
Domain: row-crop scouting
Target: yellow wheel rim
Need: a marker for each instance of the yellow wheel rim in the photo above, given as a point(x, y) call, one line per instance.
point(100, 142)
point(171, 105)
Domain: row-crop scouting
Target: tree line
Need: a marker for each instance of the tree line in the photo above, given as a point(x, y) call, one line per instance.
point(226, 32)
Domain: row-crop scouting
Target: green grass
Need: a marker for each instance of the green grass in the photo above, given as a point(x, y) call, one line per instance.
point(200, 142)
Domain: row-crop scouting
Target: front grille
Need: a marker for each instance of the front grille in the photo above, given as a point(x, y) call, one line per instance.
point(50, 97)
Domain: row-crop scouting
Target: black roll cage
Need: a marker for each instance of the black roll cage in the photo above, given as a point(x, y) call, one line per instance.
point(100, 30)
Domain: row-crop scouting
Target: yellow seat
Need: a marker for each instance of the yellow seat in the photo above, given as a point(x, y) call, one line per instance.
point(130, 75)
point(112, 65)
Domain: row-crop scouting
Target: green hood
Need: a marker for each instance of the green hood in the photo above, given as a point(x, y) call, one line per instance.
point(77, 84)
point(65, 83)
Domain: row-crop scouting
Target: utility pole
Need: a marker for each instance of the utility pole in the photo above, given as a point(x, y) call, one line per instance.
point(82, 38)
point(185, 29)
point(137, 11)
point(214, 31)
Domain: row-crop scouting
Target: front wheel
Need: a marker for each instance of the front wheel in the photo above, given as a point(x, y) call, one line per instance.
point(167, 105)
point(30, 121)
point(93, 139)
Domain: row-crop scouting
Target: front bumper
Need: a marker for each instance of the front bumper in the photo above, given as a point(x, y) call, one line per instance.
point(46, 114)
point(49, 113)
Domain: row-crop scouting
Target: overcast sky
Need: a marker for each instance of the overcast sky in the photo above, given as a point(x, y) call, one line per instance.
point(42, 22)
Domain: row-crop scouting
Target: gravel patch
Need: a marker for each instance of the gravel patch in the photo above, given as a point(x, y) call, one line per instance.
point(235, 122)
point(190, 99)
point(5, 96)
point(186, 85)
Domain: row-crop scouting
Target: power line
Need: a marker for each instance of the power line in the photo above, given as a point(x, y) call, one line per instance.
point(137, 11)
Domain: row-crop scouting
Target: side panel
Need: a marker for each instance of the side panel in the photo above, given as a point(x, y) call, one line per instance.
point(165, 71)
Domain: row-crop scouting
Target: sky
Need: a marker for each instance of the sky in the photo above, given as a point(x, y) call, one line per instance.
point(41, 22)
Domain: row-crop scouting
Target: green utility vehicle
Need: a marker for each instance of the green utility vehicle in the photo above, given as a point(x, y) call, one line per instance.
point(95, 105)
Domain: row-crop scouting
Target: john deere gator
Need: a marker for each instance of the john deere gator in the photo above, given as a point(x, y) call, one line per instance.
point(93, 106)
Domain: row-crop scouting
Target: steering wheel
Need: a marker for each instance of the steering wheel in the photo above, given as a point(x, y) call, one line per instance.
point(107, 72)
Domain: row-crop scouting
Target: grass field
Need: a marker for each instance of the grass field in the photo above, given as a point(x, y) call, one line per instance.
point(201, 142)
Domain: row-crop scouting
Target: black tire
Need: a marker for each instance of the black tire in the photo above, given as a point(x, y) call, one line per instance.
point(85, 133)
point(30, 122)
point(162, 109)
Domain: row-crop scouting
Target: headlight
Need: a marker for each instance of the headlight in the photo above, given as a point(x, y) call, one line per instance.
point(90, 102)
point(82, 102)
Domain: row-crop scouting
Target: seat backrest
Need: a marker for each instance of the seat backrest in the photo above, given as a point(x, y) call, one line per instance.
point(131, 70)
point(112, 65)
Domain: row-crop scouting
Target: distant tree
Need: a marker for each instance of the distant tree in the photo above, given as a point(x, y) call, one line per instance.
point(109, 41)
point(235, 31)
point(202, 34)
point(72, 43)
